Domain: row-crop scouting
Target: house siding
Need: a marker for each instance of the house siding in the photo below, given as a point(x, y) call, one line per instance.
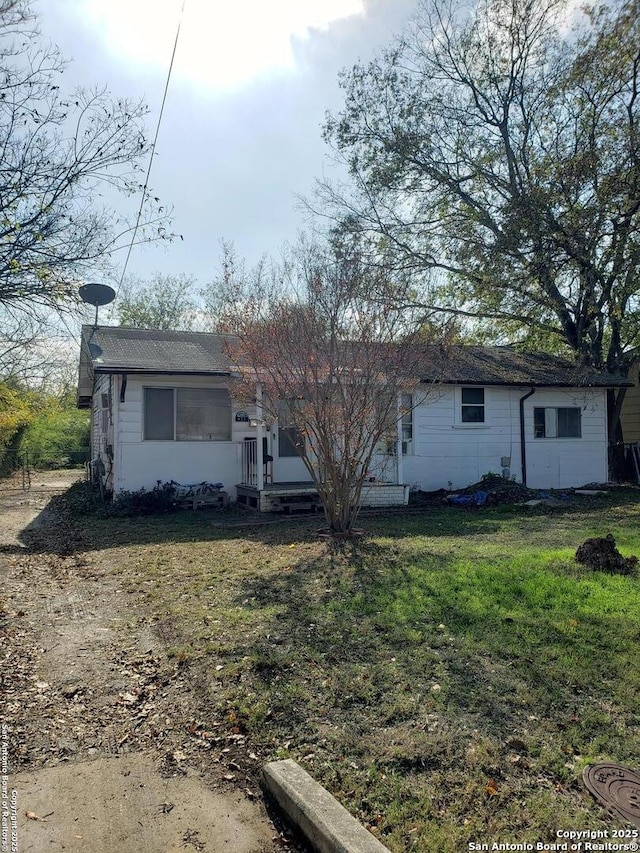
point(450, 455)
point(563, 462)
point(445, 453)
point(102, 429)
point(141, 464)
point(630, 414)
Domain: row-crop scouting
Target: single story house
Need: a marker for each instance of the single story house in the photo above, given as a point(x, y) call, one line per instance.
point(162, 408)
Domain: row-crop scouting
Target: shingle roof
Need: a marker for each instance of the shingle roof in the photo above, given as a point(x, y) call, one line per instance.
point(474, 365)
point(118, 349)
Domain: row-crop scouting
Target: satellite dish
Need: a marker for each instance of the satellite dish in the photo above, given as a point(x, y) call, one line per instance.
point(96, 294)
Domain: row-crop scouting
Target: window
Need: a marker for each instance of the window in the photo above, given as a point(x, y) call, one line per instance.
point(406, 425)
point(472, 406)
point(203, 414)
point(187, 414)
point(158, 414)
point(563, 422)
point(290, 441)
point(290, 438)
point(105, 400)
point(406, 408)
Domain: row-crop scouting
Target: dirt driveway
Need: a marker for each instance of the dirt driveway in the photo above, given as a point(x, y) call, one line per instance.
point(101, 737)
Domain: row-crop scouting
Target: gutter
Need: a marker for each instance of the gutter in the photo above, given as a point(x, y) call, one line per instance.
point(137, 371)
point(523, 447)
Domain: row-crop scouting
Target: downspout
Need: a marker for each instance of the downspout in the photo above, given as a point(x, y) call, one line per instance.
point(523, 447)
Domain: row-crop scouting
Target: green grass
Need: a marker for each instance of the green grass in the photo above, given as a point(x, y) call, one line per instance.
point(447, 680)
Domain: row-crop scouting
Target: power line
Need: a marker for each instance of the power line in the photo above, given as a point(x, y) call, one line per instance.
point(153, 146)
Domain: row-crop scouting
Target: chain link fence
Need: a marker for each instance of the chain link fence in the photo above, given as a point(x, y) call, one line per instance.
point(17, 467)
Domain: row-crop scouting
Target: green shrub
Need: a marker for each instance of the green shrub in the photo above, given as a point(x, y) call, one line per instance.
point(57, 437)
point(84, 498)
point(156, 501)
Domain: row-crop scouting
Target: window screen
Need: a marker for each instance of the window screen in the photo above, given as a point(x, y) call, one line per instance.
point(290, 441)
point(187, 414)
point(203, 414)
point(563, 422)
point(158, 414)
point(569, 423)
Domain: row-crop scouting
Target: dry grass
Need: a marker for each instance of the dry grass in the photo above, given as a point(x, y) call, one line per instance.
point(447, 679)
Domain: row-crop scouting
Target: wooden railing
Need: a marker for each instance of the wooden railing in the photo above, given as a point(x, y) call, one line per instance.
point(249, 462)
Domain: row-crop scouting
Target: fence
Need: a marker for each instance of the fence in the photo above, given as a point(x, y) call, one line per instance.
point(18, 466)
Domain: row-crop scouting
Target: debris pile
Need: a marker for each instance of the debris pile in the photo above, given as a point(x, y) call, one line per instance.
point(493, 490)
point(601, 554)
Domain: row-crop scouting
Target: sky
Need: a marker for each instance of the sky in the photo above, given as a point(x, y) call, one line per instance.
point(240, 139)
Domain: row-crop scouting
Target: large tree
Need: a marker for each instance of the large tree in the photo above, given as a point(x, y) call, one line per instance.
point(335, 369)
point(494, 153)
point(64, 157)
point(160, 302)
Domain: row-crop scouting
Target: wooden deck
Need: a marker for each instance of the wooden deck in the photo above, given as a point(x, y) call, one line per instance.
point(280, 497)
point(303, 497)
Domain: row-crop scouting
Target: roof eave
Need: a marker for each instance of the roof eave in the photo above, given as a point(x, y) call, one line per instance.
point(145, 371)
point(621, 383)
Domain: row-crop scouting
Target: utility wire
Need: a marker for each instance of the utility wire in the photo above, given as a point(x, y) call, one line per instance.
point(153, 146)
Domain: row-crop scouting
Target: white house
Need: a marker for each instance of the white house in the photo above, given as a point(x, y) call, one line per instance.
point(163, 409)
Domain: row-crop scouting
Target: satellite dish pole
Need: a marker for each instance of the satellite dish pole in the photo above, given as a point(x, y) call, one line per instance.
point(97, 295)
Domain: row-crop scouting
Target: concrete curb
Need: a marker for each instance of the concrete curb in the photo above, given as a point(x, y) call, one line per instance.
point(326, 825)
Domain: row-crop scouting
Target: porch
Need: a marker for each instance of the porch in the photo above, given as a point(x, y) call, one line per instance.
point(260, 490)
point(257, 489)
point(280, 497)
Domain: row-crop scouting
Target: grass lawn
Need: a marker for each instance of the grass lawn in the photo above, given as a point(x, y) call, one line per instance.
point(447, 680)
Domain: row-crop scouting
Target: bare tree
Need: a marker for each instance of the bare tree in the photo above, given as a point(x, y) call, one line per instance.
point(36, 348)
point(223, 296)
point(331, 364)
point(63, 156)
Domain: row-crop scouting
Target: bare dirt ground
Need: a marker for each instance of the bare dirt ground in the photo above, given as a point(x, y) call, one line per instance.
point(105, 750)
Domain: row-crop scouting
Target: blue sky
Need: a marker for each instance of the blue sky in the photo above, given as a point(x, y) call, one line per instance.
point(241, 133)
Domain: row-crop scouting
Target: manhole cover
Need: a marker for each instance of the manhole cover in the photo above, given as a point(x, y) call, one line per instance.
point(617, 788)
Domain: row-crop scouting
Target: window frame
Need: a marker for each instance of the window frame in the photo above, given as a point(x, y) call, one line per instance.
point(287, 437)
point(175, 389)
point(407, 427)
point(459, 403)
point(288, 432)
point(546, 423)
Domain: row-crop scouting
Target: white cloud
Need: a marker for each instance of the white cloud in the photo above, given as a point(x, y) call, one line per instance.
point(223, 43)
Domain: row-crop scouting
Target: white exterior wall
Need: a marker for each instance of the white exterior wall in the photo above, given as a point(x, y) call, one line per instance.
point(445, 452)
point(97, 443)
point(140, 464)
point(559, 463)
point(101, 438)
point(448, 454)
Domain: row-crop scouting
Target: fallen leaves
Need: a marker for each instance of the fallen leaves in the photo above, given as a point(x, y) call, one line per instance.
point(192, 837)
point(127, 698)
point(491, 787)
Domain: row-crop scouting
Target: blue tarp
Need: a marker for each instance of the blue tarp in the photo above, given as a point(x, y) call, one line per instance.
point(478, 498)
